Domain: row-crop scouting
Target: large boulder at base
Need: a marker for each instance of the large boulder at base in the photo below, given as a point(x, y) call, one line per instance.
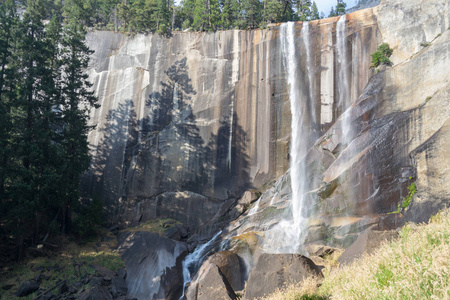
point(230, 266)
point(210, 284)
point(27, 288)
point(147, 255)
point(273, 271)
point(367, 242)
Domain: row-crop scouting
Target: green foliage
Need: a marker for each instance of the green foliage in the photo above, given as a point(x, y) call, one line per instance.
point(381, 56)
point(45, 100)
point(88, 218)
point(406, 201)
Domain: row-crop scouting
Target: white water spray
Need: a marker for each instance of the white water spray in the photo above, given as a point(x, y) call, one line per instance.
point(288, 236)
point(309, 68)
point(344, 100)
point(194, 259)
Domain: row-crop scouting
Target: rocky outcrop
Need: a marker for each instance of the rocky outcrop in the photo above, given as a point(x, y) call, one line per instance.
point(275, 271)
point(148, 257)
point(367, 242)
point(191, 121)
point(208, 113)
point(210, 284)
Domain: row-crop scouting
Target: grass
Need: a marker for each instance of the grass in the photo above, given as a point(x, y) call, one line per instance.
point(158, 226)
point(71, 264)
point(416, 266)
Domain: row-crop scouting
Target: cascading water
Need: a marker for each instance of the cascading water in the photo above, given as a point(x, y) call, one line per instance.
point(344, 100)
point(193, 261)
point(309, 68)
point(288, 235)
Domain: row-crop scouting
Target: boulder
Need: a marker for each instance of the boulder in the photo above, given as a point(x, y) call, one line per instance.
point(177, 232)
point(209, 284)
point(27, 288)
point(274, 271)
point(147, 256)
point(230, 266)
point(367, 242)
point(320, 250)
point(118, 287)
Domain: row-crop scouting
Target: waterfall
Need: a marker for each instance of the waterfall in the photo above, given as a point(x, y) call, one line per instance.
point(344, 100)
point(309, 67)
point(193, 261)
point(230, 138)
point(288, 236)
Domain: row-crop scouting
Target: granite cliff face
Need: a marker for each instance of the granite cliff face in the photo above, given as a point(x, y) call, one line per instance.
point(208, 113)
point(188, 123)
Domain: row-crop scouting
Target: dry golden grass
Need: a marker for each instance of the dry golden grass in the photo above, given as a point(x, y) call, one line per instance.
point(306, 290)
point(416, 266)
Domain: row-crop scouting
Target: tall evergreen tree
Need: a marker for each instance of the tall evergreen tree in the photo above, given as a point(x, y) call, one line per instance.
point(76, 101)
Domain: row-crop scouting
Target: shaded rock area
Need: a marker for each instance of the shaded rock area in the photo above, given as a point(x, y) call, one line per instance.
point(274, 271)
point(367, 242)
point(103, 284)
point(147, 257)
point(27, 288)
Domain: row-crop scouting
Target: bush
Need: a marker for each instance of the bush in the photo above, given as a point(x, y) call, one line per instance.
point(381, 56)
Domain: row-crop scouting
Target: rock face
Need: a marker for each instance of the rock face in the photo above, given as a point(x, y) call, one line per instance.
point(188, 123)
point(148, 257)
point(207, 113)
point(367, 242)
point(275, 271)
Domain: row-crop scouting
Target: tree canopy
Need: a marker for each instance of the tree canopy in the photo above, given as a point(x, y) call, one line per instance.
point(45, 99)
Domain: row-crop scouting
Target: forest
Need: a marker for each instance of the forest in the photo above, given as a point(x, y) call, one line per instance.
point(45, 96)
point(45, 99)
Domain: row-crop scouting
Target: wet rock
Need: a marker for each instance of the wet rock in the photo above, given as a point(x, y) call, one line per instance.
point(273, 271)
point(367, 242)
point(27, 288)
point(147, 256)
point(96, 293)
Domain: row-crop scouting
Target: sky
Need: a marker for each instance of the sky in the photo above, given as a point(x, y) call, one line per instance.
point(325, 5)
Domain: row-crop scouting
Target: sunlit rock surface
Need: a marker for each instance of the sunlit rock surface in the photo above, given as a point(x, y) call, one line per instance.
point(188, 123)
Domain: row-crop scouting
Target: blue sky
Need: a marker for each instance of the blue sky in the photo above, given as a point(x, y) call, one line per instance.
point(325, 5)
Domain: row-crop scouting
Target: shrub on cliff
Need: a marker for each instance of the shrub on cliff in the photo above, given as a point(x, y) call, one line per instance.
point(381, 56)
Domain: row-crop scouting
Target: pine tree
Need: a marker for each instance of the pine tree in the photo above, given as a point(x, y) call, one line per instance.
point(314, 11)
point(8, 39)
point(251, 13)
point(340, 7)
point(76, 101)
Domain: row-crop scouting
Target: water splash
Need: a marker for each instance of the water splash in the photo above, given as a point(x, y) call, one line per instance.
point(193, 261)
